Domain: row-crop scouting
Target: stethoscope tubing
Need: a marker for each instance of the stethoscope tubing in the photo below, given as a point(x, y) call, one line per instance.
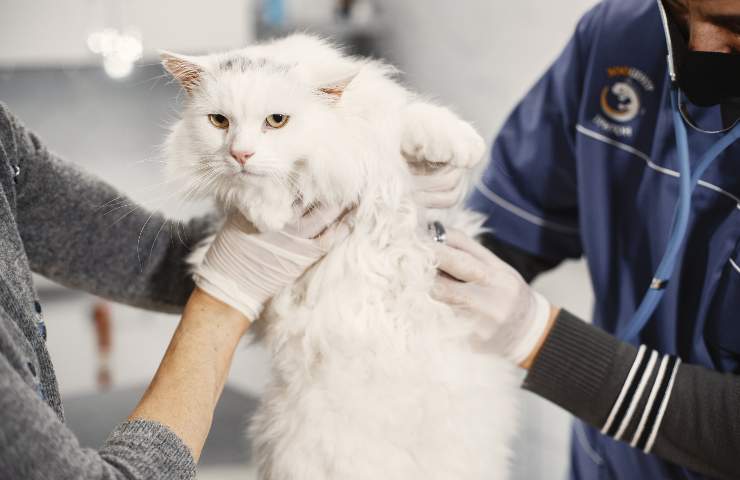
point(688, 181)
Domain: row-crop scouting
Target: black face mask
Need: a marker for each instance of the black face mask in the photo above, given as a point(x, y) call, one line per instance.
point(711, 78)
point(707, 78)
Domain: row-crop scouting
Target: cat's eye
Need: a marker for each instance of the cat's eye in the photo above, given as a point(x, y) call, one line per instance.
point(218, 120)
point(276, 120)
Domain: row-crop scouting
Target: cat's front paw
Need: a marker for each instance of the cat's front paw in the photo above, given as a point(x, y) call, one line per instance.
point(434, 134)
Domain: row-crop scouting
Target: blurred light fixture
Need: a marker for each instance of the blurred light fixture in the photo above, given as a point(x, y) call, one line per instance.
point(119, 49)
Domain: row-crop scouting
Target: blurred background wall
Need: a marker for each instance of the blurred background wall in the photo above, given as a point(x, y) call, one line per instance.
point(476, 56)
point(49, 33)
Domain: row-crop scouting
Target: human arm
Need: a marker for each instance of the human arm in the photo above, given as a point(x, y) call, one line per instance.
point(164, 435)
point(685, 414)
point(693, 419)
point(240, 272)
point(191, 376)
point(35, 444)
point(77, 229)
point(174, 416)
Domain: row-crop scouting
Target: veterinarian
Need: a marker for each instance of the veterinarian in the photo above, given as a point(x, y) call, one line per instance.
point(587, 165)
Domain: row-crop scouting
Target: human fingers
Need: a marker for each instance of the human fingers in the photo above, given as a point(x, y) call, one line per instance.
point(449, 291)
point(438, 180)
point(336, 232)
point(459, 240)
point(459, 264)
point(439, 199)
point(314, 221)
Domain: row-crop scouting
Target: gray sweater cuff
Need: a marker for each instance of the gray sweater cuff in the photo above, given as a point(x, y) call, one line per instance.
point(580, 368)
point(148, 449)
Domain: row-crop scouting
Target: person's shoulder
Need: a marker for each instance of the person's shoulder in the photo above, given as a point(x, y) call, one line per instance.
point(15, 139)
point(621, 27)
point(7, 133)
point(624, 10)
point(615, 15)
point(7, 121)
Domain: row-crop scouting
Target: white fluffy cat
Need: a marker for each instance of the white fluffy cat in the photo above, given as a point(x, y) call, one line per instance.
point(371, 378)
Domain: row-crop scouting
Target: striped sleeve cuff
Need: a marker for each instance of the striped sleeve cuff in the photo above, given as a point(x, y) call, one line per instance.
point(620, 389)
point(642, 399)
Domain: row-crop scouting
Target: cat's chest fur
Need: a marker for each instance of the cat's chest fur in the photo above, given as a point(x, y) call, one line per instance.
point(359, 295)
point(376, 378)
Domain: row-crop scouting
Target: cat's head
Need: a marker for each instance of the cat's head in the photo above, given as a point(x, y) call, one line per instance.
point(268, 125)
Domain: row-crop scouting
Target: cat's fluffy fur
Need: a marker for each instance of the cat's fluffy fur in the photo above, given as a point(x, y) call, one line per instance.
point(371, 378)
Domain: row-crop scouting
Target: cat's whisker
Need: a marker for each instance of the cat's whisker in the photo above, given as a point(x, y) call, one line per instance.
point(154, 242)
point(192, 187)
point(123, 205)
point(138, 240)
point(179, 224)
point(125, 198)
point(176, 226)
point(122, 202)
point(202, 185)
point(166, 197)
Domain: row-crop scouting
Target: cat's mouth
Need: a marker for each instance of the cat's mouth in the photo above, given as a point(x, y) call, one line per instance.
point(247, 172)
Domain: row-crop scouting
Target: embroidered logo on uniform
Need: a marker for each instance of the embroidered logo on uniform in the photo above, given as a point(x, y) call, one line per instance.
point(620, 99)
point(627, 102)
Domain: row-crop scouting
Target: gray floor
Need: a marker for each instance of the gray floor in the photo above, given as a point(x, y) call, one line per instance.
point(92, 416)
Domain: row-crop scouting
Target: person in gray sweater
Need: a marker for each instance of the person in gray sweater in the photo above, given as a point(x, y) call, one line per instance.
point(51, 223)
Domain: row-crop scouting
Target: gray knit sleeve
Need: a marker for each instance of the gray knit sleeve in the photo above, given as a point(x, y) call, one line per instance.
point(149, 449)
point(36, 445)
point(685, 414)
point(132, 256)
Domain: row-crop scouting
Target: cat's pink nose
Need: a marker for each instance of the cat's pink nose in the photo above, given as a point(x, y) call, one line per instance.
point(240, 156)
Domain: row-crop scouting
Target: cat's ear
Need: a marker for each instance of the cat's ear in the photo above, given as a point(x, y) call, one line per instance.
point(335, 90)
point(185, 69)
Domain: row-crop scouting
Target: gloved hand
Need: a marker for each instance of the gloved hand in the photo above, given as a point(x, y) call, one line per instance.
point(439, 186)
point(245, 268)
point(510, 318)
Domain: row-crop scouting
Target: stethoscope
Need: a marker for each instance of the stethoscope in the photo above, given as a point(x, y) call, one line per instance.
point(687, 183)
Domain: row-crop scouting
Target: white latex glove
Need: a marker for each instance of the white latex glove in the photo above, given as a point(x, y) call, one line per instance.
point(510, 317)
point(244, 268)
point(439, 186)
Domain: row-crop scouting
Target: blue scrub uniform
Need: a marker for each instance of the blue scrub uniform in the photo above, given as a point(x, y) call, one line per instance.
point(586, 166)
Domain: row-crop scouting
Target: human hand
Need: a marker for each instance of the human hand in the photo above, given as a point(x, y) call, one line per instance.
point(245, 268)
point(439, 186)
point(510, 318)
